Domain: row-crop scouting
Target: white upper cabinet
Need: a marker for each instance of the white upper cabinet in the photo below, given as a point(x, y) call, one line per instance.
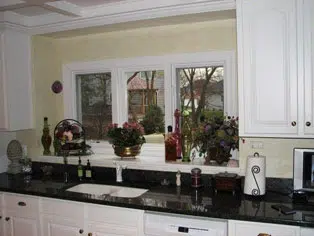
point(308, 52)
point(267, 67)
point(16, 107)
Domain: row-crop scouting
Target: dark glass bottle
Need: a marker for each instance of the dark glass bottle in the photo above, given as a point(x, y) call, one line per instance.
point(46, 138)
point(88, 171)
point(80, 170)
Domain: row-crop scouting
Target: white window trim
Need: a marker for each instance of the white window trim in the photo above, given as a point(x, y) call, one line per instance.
point(167, 63)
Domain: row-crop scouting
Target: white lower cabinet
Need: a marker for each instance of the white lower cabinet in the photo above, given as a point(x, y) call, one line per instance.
point(307, 231)
point(245, 228)
point(19, 224)
point(61, 218)
point(103, 229)
point(23, 215)
point(114, 221)
point(1, 217)
point(60, 226)
point(68, 218)
point(20, 215)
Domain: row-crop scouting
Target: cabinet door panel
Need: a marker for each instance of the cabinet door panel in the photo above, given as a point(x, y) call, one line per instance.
point(59, 226)
point(236, 228)
point(103, 229)
point(18, 226)
point(308, 50)
point(267, 45)
point(307, 231)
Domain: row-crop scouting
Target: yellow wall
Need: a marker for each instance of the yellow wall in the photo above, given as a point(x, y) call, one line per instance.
point(196, 37)
point(49, 54)
point(46, 69)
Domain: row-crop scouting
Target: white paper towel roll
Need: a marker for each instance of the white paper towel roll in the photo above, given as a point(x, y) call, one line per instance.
point(255, 176)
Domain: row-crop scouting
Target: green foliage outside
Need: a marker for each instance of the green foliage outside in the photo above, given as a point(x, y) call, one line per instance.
point(153, 121)
point(213, 115)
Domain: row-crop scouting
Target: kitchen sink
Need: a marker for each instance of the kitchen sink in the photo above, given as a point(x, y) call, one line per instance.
point(129, 192)
point(115, 191)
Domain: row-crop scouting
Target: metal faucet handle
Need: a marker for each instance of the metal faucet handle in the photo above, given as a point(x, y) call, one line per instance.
point(119, 165)
point(119, 169)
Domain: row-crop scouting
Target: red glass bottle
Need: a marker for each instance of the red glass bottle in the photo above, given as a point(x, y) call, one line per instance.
point(177, 132)
point(170, 145)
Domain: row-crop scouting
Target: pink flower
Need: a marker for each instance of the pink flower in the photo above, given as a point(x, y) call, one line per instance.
point(68, 135)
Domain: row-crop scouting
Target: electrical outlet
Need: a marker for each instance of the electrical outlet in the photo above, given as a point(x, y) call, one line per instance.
point(257, 145)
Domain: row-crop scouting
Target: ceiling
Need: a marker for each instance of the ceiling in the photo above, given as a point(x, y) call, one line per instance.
point(41, 7)
point(49, 16)
point(88, 3)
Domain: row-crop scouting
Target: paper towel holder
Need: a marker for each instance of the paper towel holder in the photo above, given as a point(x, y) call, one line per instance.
point(254, 184)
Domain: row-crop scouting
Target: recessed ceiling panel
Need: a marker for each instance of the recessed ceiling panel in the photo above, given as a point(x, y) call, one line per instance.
point(4, 3)
point(89, 3)
point(31, 11)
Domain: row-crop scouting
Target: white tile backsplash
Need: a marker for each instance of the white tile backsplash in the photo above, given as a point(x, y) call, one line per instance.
point(278, 152)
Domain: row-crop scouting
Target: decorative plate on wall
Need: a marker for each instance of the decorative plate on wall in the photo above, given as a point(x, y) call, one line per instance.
point(57, 87)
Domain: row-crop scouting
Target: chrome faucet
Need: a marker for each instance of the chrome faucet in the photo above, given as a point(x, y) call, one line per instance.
point(66, 173)
point(119, 169)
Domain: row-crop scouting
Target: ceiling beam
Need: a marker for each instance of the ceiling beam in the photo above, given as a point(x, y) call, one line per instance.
point(13, 7)
point(63, 7)
point(56, 6)
point(39, 2)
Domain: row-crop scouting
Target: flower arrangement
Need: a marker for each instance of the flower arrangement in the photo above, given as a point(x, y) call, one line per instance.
point(219, 132)
point(130, 134)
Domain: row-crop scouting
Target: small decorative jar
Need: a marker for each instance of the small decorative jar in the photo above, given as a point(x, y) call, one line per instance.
point(196, 177)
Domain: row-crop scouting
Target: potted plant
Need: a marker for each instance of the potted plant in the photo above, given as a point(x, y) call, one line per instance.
point(217, 137)
point(126, 140)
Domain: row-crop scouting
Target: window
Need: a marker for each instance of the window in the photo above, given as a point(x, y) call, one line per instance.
point(93, 99)
point(201, 91)
point(146, 102)
point(121, 90)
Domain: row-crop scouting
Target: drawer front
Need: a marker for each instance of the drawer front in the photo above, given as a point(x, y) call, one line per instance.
point(237, 228)
point(114, 215)
point(21, 202)
point(62, 208)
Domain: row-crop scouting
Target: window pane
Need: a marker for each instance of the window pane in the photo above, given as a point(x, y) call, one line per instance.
point(94, 103)
point(201, 91)
point(146, 103)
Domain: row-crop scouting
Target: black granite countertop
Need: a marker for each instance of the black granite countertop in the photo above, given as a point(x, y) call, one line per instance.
point(172, 199)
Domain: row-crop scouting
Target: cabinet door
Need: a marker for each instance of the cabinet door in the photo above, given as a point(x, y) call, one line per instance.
point(103, 229)
point(237, 228)
point(1, 223)
point(20, 226)
point(59, 226)
point(308, 50)
point(267, 67)
point(307, 231)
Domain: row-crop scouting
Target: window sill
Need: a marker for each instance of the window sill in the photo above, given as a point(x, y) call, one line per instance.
point(151, 158)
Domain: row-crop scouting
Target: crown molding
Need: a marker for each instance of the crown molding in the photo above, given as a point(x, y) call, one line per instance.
point(118, 12)
point(15, 27)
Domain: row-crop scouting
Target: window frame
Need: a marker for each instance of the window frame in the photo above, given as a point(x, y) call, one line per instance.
point(169, 64)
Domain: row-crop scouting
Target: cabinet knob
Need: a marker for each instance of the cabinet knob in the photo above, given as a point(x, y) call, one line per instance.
point(263, 234)
point(21, 203)
point(90, 234)
point(293, 123)
point(81, 231)
point(7, 218)
point(0, 217)
point(308, 123)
